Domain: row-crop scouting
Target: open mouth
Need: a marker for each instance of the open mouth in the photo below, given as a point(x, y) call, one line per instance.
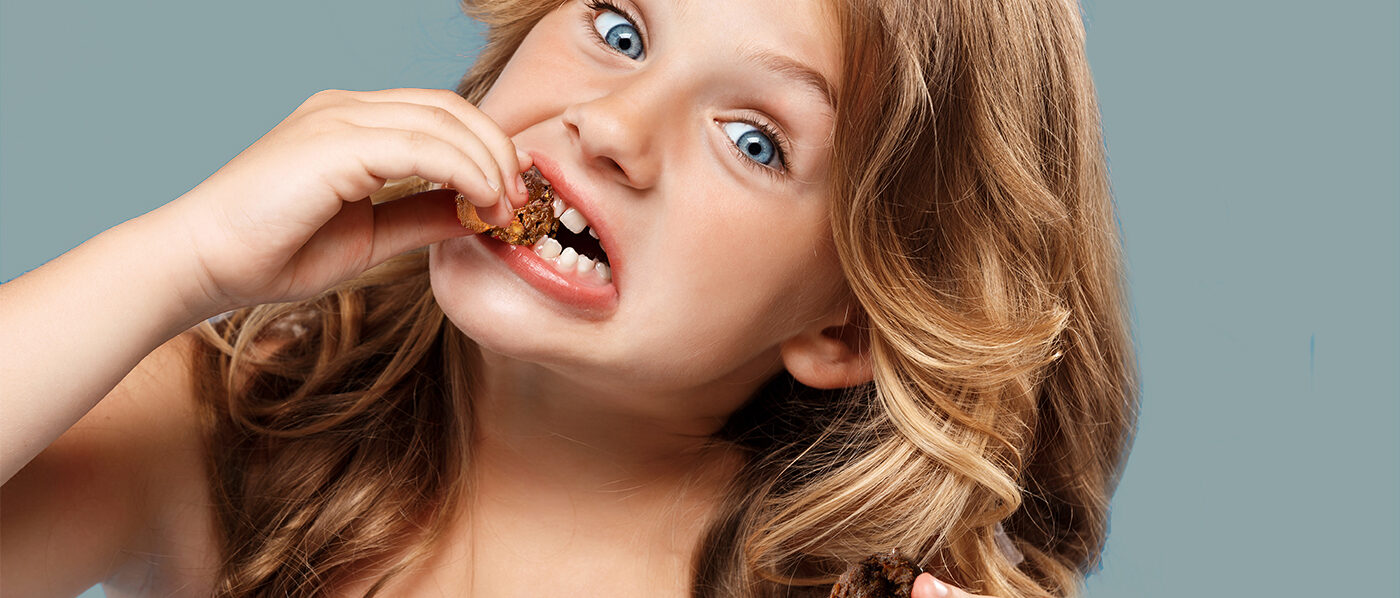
point(574, 247)
point(560, 233)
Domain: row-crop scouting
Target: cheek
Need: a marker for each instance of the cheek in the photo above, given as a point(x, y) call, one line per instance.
point(547, 61)
point(757, 285)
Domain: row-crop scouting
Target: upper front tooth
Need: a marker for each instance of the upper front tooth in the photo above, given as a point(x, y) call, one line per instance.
point(558, 206)
point(573, 220)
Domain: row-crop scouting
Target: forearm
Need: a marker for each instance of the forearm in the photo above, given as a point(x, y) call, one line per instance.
point(71, 329)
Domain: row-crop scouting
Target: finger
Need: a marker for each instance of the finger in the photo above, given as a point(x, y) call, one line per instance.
point(397, 153)
point(927, 586)
point(526, 162)
point(500, 145)
point(429, 119)
point(412, 222)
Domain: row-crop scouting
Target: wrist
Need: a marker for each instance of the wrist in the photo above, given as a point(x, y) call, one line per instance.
point(162, 257)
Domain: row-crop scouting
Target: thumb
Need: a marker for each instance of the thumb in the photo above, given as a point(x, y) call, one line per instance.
point(414, 221)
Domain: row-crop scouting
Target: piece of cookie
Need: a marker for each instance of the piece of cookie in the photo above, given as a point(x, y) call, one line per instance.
point(887, 575)
point(528, 224)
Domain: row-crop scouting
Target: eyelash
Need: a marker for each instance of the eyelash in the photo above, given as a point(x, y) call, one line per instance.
point(597, 6)
point(777, 137)
point(764, 127)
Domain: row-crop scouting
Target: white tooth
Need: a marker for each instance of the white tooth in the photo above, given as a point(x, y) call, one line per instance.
point(592, 233)
point(585, 264)
point(567, 260)
point(558, 207)
point(548, 248)
point(573, 220)
point(603, 271)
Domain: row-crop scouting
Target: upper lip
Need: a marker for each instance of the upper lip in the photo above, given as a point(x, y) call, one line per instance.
point(575, 198)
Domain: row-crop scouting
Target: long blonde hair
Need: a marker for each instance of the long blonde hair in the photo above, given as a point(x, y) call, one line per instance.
point(975, 228)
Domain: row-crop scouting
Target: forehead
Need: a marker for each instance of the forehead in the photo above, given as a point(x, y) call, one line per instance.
point(765, 32)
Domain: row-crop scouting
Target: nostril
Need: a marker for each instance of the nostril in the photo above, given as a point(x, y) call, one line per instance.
point(611, 166)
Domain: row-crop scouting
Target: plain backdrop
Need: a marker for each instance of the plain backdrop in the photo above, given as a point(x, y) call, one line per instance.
point(1253, 148)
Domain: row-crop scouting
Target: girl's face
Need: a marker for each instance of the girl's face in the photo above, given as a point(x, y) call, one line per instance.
point(693, 138)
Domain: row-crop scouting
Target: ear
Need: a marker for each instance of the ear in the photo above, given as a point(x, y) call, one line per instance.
point(830, 356)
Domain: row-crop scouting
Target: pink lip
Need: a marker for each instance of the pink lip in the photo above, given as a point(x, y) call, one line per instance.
point(590, 300)
point(578, 200)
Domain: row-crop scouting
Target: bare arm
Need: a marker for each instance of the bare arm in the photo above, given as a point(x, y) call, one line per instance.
point(72, 328)
point(284, 220)
point(121, 490)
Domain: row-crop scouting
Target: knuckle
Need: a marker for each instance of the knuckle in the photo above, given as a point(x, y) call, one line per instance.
point(416, 140)
point(335, 113)
point(319, 100)
point(446, 95)
point(443, 118)
point(325, 95)
point(319, 125)
point(506, 147)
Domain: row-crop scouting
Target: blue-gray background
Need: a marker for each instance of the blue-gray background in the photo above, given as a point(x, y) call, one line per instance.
point(1254, 151)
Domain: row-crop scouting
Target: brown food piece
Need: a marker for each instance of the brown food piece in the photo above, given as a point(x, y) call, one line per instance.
point(533, 220)
point(886, 575)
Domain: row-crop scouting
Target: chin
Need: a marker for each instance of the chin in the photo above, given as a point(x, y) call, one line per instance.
point(479, 301)
point(508, 316)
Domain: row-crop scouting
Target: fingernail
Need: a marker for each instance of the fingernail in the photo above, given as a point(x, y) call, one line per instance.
point(520, 185)
point(939, 589)
point(494, 185)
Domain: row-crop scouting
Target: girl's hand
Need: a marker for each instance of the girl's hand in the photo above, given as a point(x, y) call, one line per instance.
point(290, 216)
point(925, 586)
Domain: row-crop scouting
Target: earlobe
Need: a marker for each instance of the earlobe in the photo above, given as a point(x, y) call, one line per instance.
point(829, 358)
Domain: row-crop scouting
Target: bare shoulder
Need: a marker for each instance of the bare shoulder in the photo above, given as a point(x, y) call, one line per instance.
point(118, 491)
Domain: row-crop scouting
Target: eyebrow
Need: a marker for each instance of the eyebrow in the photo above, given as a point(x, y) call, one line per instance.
point(790, 68)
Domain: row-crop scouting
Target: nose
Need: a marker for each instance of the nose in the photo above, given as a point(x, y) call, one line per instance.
point(615, 133)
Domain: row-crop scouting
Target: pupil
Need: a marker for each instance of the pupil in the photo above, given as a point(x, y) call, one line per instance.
point(755, 149)
point(623, 38)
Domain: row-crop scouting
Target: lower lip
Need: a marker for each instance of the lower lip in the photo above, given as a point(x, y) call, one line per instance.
point(540, 274)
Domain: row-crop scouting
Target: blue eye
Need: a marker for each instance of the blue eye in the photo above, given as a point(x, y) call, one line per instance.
point(619, 34)
point(752, 142)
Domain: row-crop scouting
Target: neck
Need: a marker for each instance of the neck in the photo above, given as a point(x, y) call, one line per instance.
point(539, 430)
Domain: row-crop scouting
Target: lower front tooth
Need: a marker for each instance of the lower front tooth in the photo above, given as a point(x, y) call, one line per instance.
point(603, 271)
point(566, 260)
point(548, 248)
point(585, 264)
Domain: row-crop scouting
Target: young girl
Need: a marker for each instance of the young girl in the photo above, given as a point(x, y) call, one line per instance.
point(842, 279)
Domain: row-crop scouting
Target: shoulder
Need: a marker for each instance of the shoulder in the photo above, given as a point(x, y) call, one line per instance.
point(116, 486)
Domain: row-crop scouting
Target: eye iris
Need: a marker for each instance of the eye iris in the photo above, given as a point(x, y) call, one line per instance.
point(619, 38)
point(757, 146)
point(624, 38)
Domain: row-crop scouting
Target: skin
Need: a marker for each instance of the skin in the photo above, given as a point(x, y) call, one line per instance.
point(757, 271)
point(725, 276)
point(761, 290)
point(723, 263)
